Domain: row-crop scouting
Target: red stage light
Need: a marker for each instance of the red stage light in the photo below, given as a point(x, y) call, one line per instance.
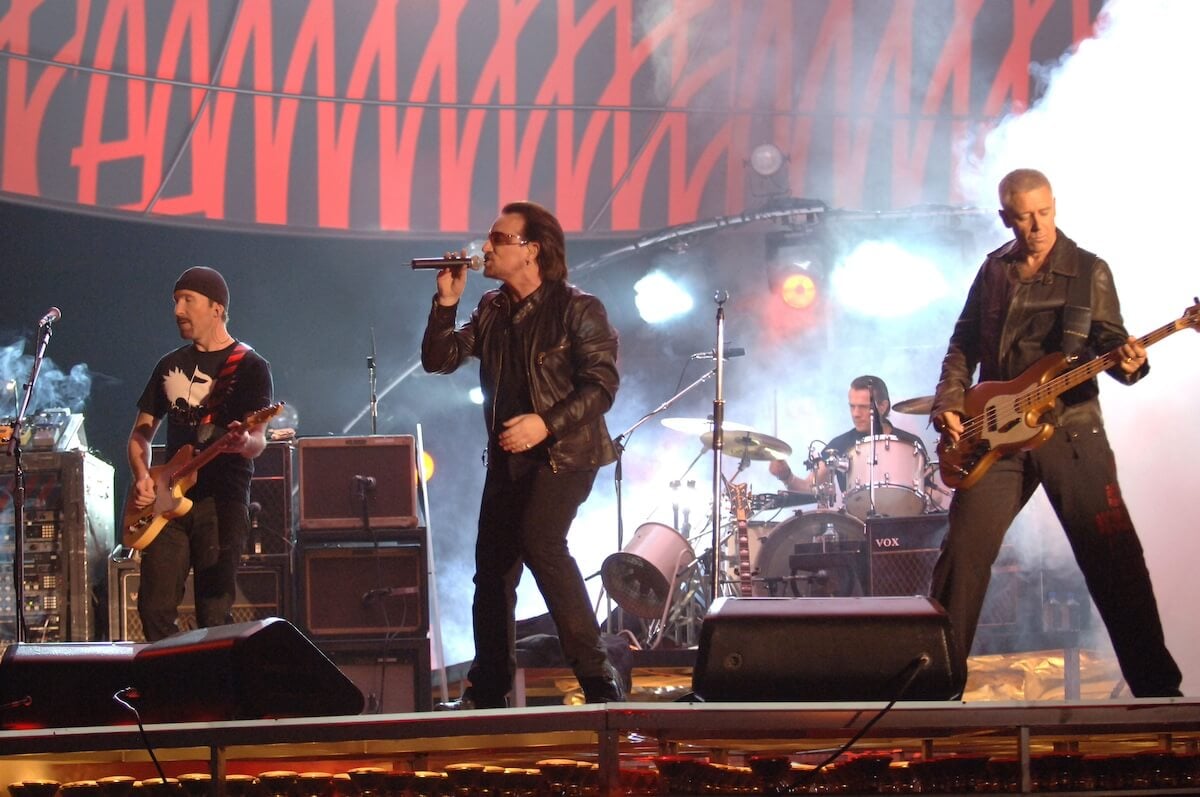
point(798, 291)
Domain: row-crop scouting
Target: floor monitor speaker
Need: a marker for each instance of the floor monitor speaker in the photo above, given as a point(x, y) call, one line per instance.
point(60, 684)
point(819, 649)
point(256, 670)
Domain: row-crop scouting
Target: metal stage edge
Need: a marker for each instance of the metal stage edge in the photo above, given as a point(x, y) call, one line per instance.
point(629, 734)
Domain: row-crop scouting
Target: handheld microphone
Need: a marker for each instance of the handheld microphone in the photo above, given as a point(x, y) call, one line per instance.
point(708, 355)
point(52, 315)
point(475, 262)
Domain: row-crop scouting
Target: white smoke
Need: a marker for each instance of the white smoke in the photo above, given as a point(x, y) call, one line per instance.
point(54, 387)
point(1116, 134)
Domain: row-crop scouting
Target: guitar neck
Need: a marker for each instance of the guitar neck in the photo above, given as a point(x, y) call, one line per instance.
point(1040, 394)
point(200, 460)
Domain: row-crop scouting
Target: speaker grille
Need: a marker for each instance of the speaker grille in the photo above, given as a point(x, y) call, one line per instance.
point(332, 473)
point(364, 590)
point(260, 592)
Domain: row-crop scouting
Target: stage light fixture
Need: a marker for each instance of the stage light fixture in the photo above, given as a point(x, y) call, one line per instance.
point(795, 268)
point(766, 160)
point(659, 298)
point(475, 394)
point(428, 465)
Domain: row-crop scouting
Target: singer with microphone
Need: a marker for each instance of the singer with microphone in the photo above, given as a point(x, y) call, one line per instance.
point(548, 370)
point(205, 390)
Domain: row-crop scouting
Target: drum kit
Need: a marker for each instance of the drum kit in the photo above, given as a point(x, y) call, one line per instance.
point(810, 552)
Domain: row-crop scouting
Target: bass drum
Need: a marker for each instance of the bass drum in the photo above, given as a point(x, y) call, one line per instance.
point(836, 541)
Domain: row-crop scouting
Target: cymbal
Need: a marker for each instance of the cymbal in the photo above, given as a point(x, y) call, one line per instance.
point(750, 444)
point(700, 425)
point(921, 405)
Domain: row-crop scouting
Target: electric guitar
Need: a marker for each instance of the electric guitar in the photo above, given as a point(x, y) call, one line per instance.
point(739, 498)
point(172, 480)
point(1003, 417)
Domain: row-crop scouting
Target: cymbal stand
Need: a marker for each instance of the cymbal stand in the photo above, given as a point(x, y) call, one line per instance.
point(619, 443)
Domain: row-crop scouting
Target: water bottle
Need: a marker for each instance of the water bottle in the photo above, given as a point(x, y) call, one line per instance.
point(1052, 613)
point(1074, 612)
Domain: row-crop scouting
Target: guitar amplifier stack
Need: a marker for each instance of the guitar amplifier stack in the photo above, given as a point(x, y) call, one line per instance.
point(335, 546)
point(361, 564)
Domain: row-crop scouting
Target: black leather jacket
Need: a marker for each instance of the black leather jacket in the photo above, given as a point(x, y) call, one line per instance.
point(1007, 325)
point(572, 365)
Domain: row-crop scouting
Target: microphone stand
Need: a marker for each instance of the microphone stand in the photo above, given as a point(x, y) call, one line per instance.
point(14, 450)
point(619, 444)
point(371, 380)
point(718, 443)
point(876, 430)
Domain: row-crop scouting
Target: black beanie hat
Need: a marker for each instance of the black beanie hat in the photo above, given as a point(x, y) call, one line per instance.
point(206, 282)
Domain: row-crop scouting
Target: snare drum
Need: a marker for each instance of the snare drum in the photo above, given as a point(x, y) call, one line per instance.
point(899, 477)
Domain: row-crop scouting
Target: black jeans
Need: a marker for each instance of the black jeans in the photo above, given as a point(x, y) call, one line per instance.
point(207, 540)
point(1077, 469)
point(523, 521)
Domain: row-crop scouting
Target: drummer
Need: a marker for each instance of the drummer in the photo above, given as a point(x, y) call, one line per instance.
point(861, 390)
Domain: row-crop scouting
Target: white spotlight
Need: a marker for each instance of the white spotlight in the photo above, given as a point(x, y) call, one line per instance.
point(766, 159)
point(659, 298)
point(883, 279)
point(476, 395)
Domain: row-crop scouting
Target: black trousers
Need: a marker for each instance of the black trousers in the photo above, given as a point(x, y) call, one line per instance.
point(1077, 469)
point(523, 521)
point(207, 540)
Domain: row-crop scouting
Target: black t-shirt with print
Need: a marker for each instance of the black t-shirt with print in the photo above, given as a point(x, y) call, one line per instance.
point(179, 388)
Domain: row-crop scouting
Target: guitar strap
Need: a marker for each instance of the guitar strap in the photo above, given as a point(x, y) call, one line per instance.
point(224, 384)
point(1077, 313)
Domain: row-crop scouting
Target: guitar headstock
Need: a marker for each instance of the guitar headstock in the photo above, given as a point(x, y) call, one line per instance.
point(739, 499)
point(1191, 316)
point(262, 416)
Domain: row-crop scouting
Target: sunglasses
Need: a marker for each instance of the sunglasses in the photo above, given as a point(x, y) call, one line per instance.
point(497, 238)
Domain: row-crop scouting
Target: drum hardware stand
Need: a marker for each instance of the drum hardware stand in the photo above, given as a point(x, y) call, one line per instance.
point(619, 442)
point(45, 331)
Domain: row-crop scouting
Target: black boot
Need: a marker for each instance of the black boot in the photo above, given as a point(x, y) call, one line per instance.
point(603, 688)
point(471, 700)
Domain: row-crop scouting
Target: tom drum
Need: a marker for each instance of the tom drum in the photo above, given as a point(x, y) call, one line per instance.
point(898, 476)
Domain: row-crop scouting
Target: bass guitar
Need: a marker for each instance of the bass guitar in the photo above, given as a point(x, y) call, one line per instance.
point(172, 480)
point(1001, 418)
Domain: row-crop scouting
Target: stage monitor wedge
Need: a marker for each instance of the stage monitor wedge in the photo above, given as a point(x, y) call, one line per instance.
point(263, 669)
point(257, 670)
point(825, 649)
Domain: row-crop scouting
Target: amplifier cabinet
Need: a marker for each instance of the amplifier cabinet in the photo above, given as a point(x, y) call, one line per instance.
point(262, 592)
point(343, 478)
point(393, 675)
point(69, 531)
point(904, 551)
point(365, 589)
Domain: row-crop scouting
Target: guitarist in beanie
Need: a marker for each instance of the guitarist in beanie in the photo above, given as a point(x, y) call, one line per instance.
point(207, 390)
point(1034, 299)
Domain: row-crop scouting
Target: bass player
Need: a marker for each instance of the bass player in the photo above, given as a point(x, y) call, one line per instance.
point(1041, 294)
point(204, 389)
